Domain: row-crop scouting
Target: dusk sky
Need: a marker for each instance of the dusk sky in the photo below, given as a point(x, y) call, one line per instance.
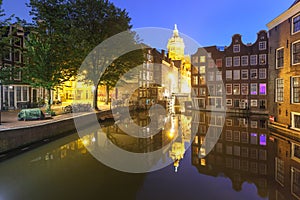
point(207, 22)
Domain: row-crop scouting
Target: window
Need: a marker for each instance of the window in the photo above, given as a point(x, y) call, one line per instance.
point(210, 76)
point(228, 61)
point(195, 59)
point(296, 123)
point(262, 104)
point(253, 103)
point(194, 70)
point(262, 45)
point(279, 90)
point(218, 76)
point(219, 62)
point(295, 182)
point(296, 24)
point(228, 135)
point(236, 61)
point(295, 89)
point(262, 59)
point(18, 89)
point(202, 80)
point(202, 59)
point(17, 74)
point(244, 137)
point(236, 74)
point(219, 90)
point(228, 74)
point(236, 103)
point(209, 55)
point(253, 73)
point(253, 88)
point(211, 63)
point(17, 41)
point(17, 56)
point(202, 91)
point(211, 90)
point(244, 89)
point(236, 48)
point(229, 102)
point(262, 88)
point(228, 89)
point(244, 74)
point(253, 60)
point(262, 73)
point(253, 138)
point(202, 69)
point(296, 53)
point(7, 53)
point(244, 60)
point(194, 80)
point(236, 89)
point(279, 58)
point(25, 93)
point(279, 171)
point(236, 136)
point(295, 151)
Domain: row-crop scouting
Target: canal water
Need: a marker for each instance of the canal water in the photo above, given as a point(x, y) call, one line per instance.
point(246, 161)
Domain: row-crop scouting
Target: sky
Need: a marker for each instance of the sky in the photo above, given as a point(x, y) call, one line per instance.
point(207, 22)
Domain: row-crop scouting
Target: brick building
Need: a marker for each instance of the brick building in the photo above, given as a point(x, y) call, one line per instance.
point(234, 77)
point(284, 57)
point(14, 93)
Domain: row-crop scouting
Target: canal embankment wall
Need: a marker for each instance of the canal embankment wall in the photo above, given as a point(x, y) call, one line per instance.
point(22, 137)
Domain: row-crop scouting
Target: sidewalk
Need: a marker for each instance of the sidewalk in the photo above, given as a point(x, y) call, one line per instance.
point(9, 119)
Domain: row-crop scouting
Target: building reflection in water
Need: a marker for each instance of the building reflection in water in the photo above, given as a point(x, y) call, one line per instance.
point(240, 153)
point(245, 152)
point(174, 136)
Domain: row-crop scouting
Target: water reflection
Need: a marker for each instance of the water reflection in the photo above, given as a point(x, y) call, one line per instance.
point(241, 151)
point(245, 156)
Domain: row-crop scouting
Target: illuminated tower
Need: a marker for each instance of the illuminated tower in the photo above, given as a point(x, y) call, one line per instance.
point(176, 46)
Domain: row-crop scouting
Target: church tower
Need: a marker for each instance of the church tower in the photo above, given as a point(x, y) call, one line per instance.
point(176, 46)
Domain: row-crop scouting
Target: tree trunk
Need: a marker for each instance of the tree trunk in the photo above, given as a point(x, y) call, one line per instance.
point(49, 101)
point(107, 94)
point(95, 98)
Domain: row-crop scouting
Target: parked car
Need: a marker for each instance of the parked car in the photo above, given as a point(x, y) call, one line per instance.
point(31, 114)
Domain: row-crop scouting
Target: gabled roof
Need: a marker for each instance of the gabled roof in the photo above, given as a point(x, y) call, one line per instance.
point(296, 1)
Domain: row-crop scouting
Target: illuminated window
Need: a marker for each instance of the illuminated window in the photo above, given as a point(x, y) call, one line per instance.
point(262, 88)
point(253, 102)
point(279, 58)
point(202, 59)
point(236, 48)
point(228, 89)
point(296, 24)
point(296, 53)
point(262, 59)
point(262, 139)
point(244, 60)
point(262, 45)
point(236, 61)
point(194, 80)
point(236, 74)
point(228, 61)
point(236, 89)
point(295, 89)
point(253, 88)
point(244, 74)
point(202, 91)
point(228, 74)
point(253, 59)
point(279, 90)
point(202, 69)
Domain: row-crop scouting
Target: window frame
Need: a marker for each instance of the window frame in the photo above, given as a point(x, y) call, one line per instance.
point(298, 41)
point(277, 89)
point(277, 58)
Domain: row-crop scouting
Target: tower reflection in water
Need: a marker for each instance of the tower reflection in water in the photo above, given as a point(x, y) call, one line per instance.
point(245, 152)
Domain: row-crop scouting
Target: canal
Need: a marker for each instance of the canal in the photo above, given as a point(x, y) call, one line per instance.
point(246, 161)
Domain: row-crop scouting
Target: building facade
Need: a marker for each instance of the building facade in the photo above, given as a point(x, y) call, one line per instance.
point(234, 77)
point(14, 93)
point(284, 57)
